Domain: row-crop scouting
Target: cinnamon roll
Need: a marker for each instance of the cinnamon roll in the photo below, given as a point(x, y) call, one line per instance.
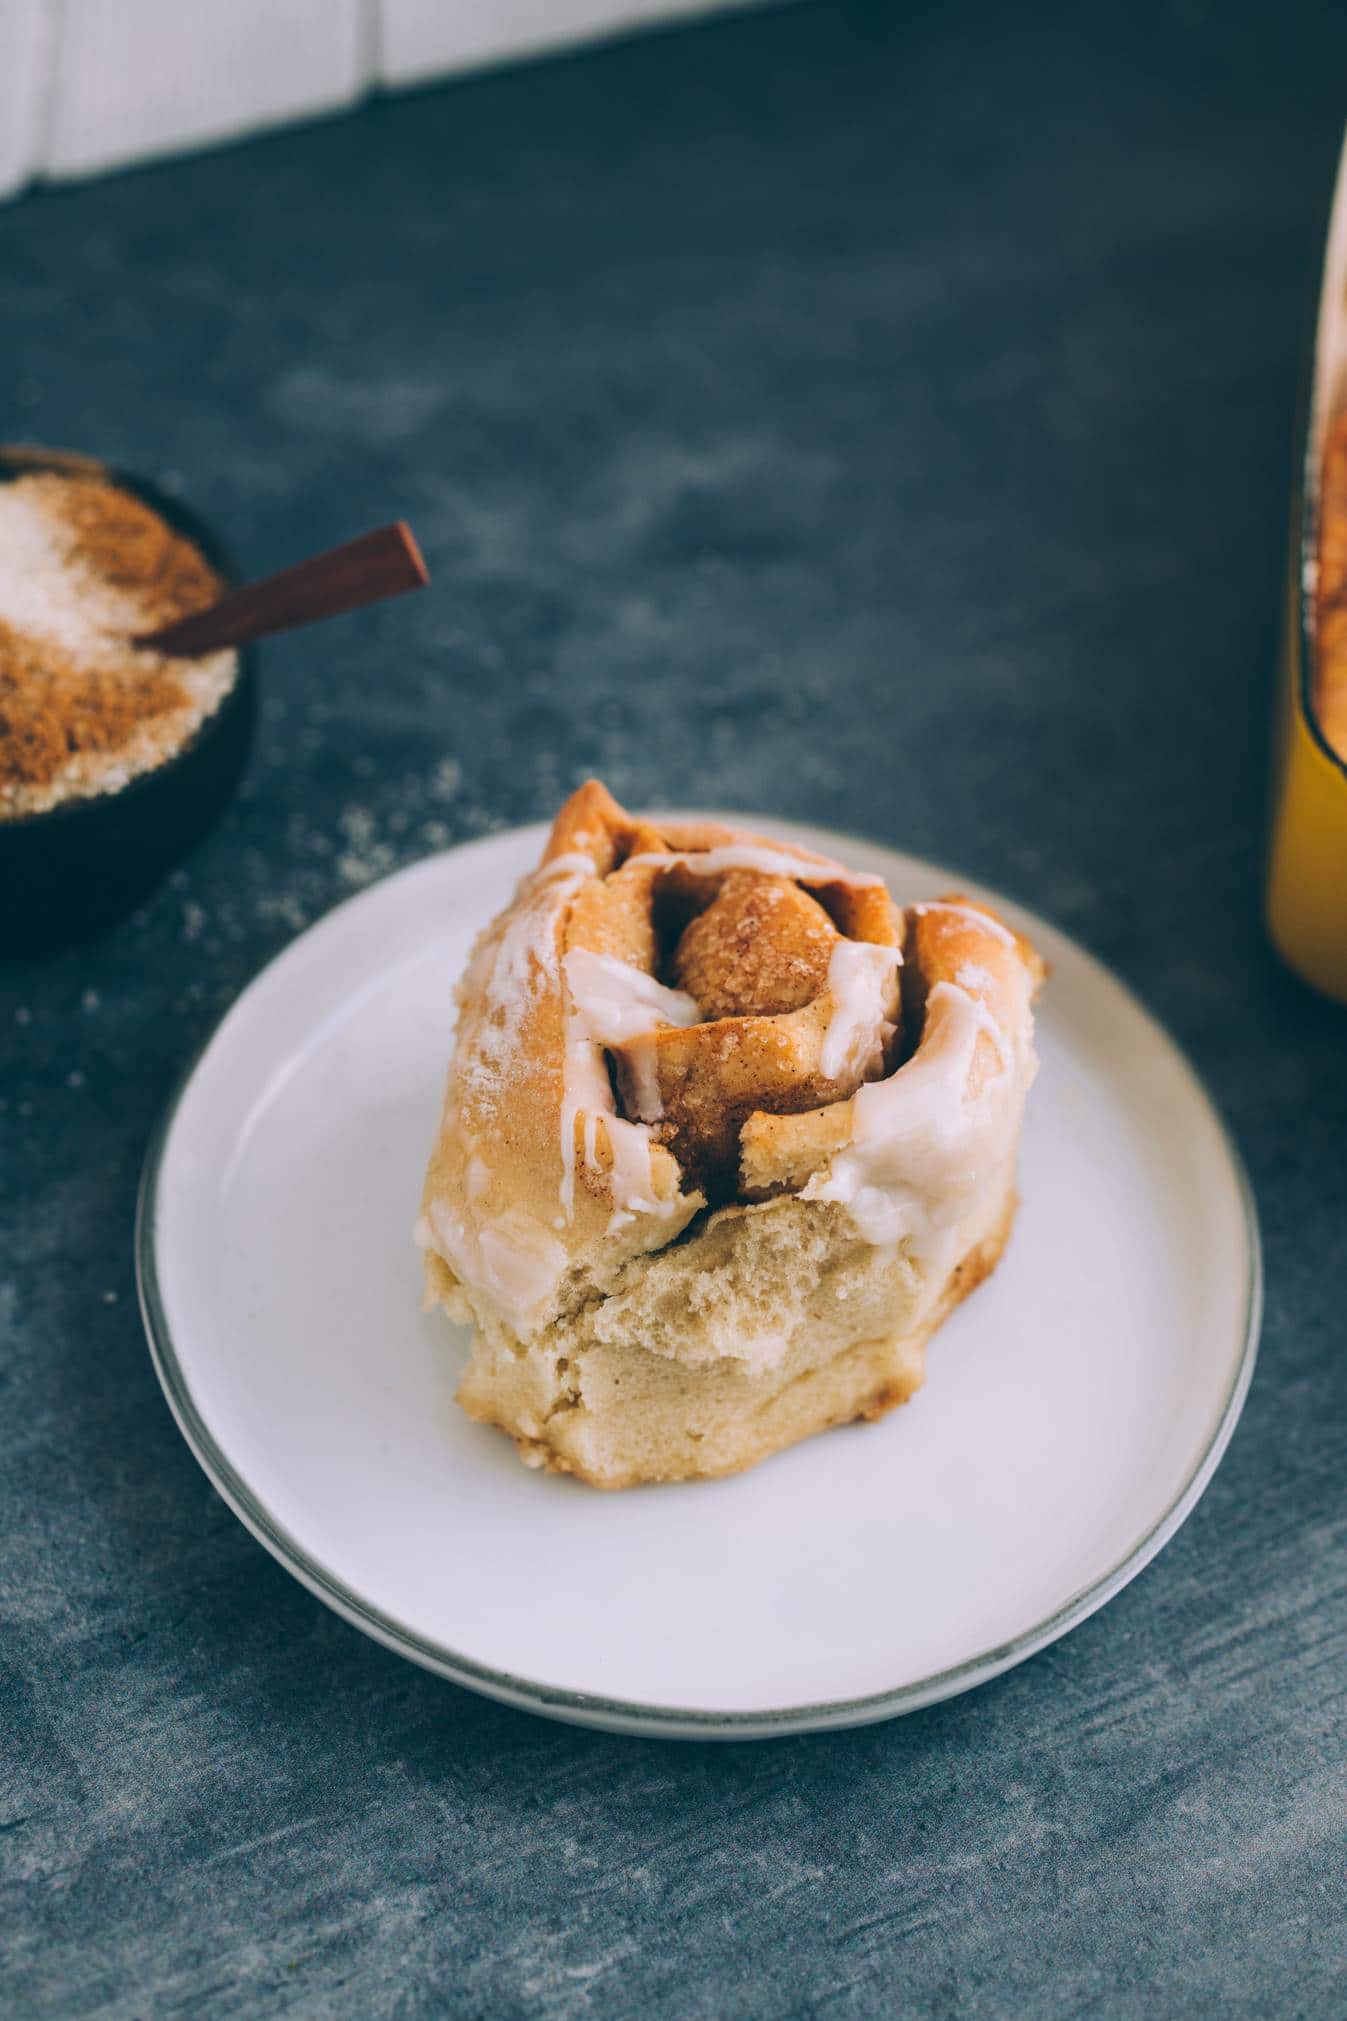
point(726, 1136)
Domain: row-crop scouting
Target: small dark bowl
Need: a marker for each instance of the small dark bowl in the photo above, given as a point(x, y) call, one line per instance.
point(71, 872)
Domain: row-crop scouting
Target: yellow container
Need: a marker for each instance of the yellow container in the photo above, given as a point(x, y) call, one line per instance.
point(1307, 864)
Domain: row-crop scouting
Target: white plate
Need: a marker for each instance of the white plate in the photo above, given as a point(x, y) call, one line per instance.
point(1074, 1411)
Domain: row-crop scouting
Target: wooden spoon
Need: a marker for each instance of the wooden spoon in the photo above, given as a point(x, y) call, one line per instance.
point(381, 564)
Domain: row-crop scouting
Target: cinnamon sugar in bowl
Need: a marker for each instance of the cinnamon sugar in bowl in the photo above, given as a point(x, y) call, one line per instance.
point(113, 759)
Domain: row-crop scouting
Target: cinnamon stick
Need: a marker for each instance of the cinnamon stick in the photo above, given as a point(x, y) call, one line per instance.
point(381, 564)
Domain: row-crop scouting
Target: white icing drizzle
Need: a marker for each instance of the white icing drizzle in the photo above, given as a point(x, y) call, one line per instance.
point(507, 968)
point(642, 1061)
point(982, 919)
point(619, 1002)
point(612, 1003)
point(755, 856)
point(860, 975)
point(586, 1092)
point(572, 863)
point(512, 1261)
point(631, 1177)
point(923, 1149)
point(970, 975)
point(620, 1005)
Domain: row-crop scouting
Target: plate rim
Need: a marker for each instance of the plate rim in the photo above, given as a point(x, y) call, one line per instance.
point(634, 1716)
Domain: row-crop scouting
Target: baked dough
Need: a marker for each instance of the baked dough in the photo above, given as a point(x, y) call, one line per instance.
point(726, 1136)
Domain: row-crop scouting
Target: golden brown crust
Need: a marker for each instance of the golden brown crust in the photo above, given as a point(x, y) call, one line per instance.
point(761, 948)
point(592, 824)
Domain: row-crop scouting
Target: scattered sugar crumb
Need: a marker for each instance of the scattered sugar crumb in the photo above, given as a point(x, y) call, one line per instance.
point(365, 857)
point(288, 910)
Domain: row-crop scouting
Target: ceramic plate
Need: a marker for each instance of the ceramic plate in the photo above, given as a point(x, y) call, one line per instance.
point(1075, 1407)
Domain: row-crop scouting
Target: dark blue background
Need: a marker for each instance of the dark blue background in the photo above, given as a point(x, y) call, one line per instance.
point(881, 417)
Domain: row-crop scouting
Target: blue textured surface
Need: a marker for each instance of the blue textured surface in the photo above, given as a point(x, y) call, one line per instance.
point(882, 422)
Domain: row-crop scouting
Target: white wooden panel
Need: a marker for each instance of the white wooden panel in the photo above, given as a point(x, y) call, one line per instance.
point(144, 77)
point(27, 37)
point(426, 38)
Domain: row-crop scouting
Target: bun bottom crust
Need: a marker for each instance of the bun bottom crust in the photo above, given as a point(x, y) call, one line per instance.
point(692, 1366)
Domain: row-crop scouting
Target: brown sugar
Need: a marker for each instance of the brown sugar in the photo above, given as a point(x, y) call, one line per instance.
point(84, 566)
point(51, 708)
point(118, 539)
